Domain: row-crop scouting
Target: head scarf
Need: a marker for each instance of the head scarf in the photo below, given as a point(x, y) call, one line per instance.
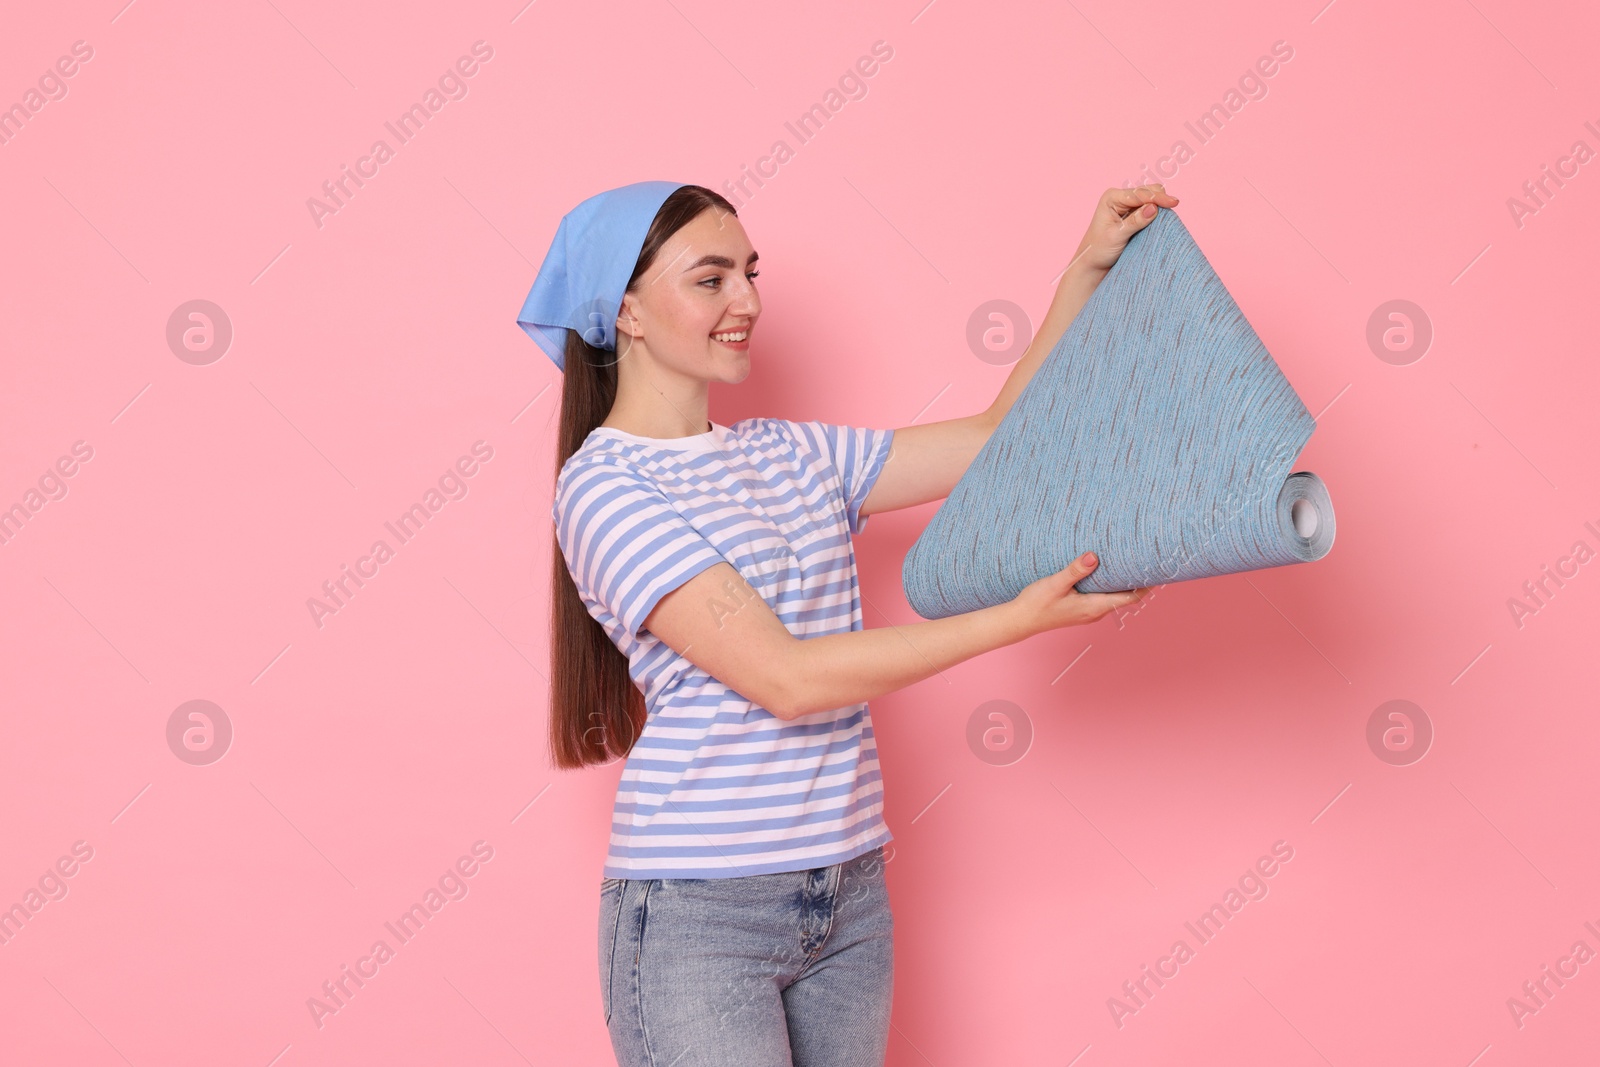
point(581, 283)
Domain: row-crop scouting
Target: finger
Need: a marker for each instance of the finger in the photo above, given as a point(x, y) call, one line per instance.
point(1159, 194)
point(1122, 201)
point(1125, 202)
point(1140, 217)
point(1111, 601)
point(1137, 218)
point(1154, 192)
point(1080, 567)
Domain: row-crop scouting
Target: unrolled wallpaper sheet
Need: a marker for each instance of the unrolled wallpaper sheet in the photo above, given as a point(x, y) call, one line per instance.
point(1158, 433)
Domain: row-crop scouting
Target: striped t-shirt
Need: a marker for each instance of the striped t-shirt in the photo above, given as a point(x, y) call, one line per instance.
point(717, 786)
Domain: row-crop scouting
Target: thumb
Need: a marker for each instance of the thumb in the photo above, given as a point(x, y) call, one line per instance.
point(1080, 567)
point(1139, 218)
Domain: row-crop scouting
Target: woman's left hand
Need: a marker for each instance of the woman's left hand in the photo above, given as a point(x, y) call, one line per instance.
point(1119, 215)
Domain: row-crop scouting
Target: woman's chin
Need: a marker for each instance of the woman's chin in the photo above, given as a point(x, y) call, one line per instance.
point(736, 370)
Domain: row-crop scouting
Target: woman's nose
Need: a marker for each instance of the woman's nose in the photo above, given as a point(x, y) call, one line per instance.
point(747, 301)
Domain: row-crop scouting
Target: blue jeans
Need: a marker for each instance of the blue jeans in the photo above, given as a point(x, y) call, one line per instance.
point(794, 969)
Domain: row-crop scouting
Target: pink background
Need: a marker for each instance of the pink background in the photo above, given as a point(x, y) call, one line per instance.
point(371, 352)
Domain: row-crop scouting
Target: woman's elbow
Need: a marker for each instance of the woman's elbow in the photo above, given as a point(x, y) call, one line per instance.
point(784, 696)
point(780, 698)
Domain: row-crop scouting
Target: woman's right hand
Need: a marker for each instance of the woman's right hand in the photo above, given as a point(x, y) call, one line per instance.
point(1052, 602)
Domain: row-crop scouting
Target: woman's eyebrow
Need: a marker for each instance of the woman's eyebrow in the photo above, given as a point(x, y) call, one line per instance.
point(714, 260)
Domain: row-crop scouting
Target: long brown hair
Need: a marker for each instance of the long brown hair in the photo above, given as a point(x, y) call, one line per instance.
point(596, 712)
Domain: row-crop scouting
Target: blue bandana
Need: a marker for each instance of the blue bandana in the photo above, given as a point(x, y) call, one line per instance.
point(585, 273)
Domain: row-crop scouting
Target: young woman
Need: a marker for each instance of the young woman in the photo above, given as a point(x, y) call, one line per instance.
point(706, 624)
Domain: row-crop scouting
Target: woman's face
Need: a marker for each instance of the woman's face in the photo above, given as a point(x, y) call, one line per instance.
point(700, 286)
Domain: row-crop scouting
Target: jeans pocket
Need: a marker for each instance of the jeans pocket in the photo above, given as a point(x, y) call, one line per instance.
point(610, 923)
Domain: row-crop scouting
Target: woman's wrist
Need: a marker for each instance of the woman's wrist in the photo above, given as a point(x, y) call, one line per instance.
point(1009, 623)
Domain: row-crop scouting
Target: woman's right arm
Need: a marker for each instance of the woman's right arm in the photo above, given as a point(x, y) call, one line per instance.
point(717, 621)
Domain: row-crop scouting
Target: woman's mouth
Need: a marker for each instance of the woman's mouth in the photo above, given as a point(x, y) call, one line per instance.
point(735, 339)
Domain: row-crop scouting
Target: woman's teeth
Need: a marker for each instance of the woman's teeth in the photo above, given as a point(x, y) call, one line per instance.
point(739, 336)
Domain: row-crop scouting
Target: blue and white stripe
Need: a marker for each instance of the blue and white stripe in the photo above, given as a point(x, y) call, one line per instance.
point(716, 786)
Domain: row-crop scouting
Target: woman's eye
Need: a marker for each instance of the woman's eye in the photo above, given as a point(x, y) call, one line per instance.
point(716, 279)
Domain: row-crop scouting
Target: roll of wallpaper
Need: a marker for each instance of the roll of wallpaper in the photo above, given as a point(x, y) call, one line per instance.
point(1158, 433)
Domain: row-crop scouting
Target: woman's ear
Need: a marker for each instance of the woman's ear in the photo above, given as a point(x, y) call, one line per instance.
point(628, 317)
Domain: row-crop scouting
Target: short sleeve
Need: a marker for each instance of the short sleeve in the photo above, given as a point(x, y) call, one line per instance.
point(857, 454)
point(626, 547)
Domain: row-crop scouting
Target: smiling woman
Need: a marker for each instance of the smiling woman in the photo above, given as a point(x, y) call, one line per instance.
point(686, 325)
point(707, 626)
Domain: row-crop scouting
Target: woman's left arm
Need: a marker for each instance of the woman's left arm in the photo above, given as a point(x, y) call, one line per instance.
point(926, 461)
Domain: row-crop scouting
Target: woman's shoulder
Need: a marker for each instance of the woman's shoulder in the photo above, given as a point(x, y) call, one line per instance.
point(802, 433)
point(594, 450)
point(600, 450)
point(596, 467)
point(763, 429)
